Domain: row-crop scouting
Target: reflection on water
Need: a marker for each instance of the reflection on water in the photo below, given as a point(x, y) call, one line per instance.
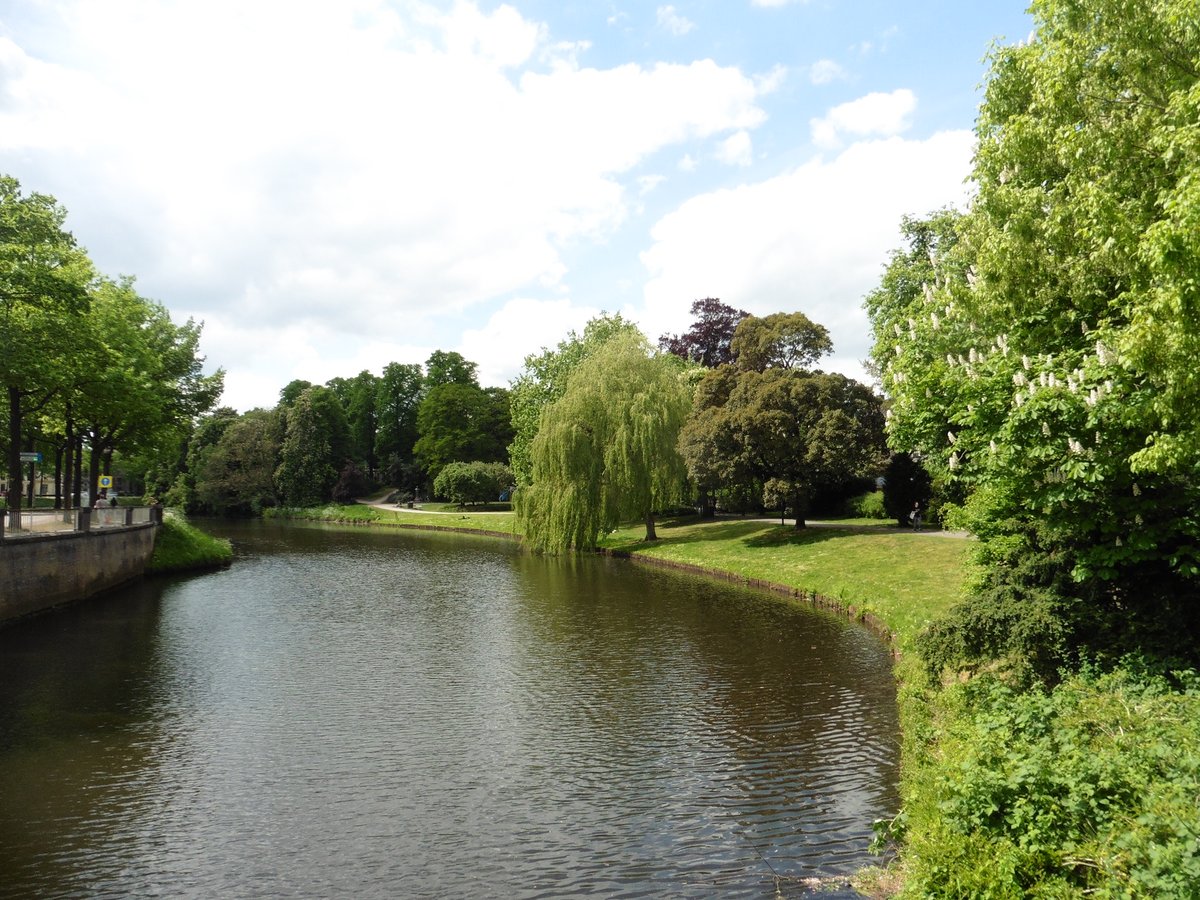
point(351, 712)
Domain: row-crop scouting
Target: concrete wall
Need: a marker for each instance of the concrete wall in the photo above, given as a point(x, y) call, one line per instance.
point(37, 573)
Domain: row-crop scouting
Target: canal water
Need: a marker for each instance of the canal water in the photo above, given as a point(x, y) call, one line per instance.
point(351, 712)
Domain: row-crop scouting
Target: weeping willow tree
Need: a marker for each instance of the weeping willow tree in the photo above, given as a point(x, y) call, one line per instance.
point(605, 452)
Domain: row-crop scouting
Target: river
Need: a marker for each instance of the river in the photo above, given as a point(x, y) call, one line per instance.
point(353, 712)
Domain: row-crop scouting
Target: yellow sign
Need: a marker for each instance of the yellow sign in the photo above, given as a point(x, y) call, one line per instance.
point(105, 481)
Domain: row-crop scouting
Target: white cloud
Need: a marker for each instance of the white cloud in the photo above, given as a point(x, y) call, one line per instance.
point(687, 163)
point(354, 169)
point(521, 327)
point(876, 113)
point(647, 183)
point(737, 149)
point(673, 22)
point(825, 71)
point(813, 239)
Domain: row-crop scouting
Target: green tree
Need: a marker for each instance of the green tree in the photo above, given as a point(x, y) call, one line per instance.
point(780, 340)
point(457, 423)
point(360, 402)
point(205, 435)
point(606, 449)
point(43, 298)
point(1053, 344)
point(789, 431)
point(544, 379)
point(238, 474)
point(149, 384)
point(305, 475)
point(449, 367)
point(474, 482)
point(398, 396)
point(292, 390)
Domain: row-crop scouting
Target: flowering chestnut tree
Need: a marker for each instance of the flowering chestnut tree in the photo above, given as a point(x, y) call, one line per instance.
point(1041, 348)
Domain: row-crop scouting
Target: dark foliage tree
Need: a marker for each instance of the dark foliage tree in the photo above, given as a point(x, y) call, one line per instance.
point(397, 398)
point(707, 342)
point(906, 484)
point(305, 475)
point(352, 483)
point(237, 477)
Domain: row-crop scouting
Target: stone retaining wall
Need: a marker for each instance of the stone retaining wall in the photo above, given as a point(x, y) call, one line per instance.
point(39, 572)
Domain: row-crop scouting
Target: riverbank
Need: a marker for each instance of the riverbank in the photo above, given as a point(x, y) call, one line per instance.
point(181, 547)
point(1089, 789)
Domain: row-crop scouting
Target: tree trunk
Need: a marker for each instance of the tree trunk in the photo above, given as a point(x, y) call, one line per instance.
point(93, 475)
point(799, 504)
point(64, 471)
point(14, 454)
point(77, 475)
point(651, 535)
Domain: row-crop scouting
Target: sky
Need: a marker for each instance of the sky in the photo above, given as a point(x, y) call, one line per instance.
point(333, 185)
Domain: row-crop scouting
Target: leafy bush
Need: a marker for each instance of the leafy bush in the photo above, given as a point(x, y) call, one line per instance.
point(473, 482)
point(867, 506)
point(1089, 788)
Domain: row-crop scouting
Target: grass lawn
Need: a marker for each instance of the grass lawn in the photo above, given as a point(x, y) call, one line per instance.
point(906, 579)
point(447, 517)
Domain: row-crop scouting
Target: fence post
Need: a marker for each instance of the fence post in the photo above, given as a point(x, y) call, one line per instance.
point(129, 515)
point(85, 518)
point(3, 516)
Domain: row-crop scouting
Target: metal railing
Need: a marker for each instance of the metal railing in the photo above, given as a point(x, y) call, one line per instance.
point(32, 522)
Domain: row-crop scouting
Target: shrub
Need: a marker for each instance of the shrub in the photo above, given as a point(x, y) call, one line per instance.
point(867, 506)
point(1086, 789)
point(474, 482)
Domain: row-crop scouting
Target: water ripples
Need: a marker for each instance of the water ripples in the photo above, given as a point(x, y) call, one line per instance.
point(356, 714)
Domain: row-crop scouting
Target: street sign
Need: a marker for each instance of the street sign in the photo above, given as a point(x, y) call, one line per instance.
point(105, 481)
point(31, 457)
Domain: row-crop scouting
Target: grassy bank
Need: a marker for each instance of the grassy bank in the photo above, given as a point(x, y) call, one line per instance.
point(901, 578)
point(180, 547)
point(443, 517)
